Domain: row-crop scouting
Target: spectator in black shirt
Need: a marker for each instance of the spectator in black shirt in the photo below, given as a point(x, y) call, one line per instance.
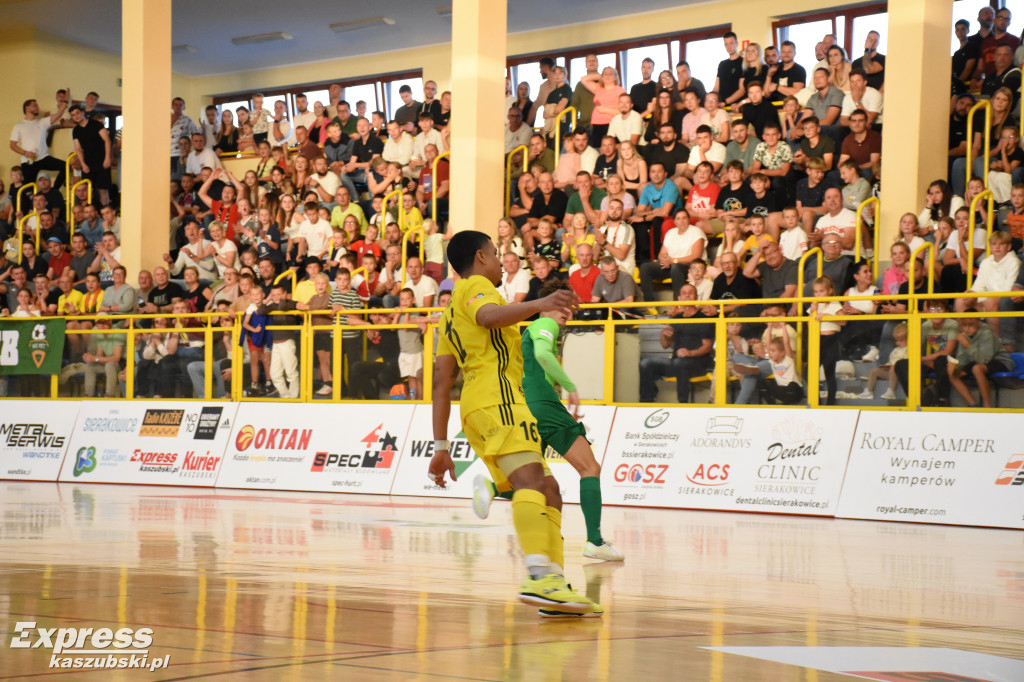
point(965, 58)
point(872, 63)
point(364, 148)
point(759, 111)
point(548, 202)
point(642, 93)
point(691, 352)
point(730, 72)
point(608, 161)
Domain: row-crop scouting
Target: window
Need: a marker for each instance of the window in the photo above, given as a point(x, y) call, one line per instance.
point(233, 106)
point(578, 66)
point(806, 36)
point(314, 96)
point(864, 25)
point(366, 93)
point(968, 9)
point(394, 100)
point(1016, 8)
point(703, 57)
point(635, 56)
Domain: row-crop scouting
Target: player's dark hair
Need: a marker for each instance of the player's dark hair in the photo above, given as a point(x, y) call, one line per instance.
point(462, 250)
point(552, 285)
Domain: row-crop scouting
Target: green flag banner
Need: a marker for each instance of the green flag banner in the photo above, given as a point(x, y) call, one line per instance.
point(29, 346)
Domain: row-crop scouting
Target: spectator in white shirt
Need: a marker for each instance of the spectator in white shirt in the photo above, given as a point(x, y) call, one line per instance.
point(201, 156)
point(997, 273)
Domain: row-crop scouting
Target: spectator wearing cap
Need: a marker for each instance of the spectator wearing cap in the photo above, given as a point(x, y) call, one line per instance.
point(54, 199)
point(57, 259)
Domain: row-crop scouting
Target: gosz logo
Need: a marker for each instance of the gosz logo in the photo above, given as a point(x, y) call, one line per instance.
point(379, 453)
point(638, 473)
point(85, 460)
point(1013, 474)
point(656, 419)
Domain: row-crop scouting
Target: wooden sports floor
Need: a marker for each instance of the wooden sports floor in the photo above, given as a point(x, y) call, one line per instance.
point(296, 586)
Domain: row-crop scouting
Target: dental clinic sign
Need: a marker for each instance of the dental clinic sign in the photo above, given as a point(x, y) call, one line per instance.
point(31, 346)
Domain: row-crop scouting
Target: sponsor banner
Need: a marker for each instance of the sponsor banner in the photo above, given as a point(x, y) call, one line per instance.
point(411, 478)
point(412, 474)
point(34, 437)
point(928, 467)
point(158, 443)
point(31, 346)
point(326, 448)
point(784, 461)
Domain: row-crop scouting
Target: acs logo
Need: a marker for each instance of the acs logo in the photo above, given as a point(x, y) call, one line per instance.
point(709, 475)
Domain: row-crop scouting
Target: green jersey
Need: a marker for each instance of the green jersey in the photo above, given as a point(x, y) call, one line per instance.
point(541, 369)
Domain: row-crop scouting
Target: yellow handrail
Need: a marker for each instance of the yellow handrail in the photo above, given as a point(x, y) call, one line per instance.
point(21, 189)
point(874, 248)
point(405, 247)
point(70, 202)
point(986, 193)
point(433, 179)
point(384, 209)
point(508, 172)
point(970, 138)
point(558, 130)
point(21, 234)
point(931, 269)
point(803, 261)
point(287, 273)
point(68, 176)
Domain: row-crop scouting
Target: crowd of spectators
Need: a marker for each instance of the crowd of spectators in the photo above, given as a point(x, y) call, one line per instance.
point(715, 189)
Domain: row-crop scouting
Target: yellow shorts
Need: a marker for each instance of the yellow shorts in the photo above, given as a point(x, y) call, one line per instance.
point(504, 446)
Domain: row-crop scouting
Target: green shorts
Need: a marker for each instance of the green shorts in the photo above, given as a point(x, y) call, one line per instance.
point(557, 426)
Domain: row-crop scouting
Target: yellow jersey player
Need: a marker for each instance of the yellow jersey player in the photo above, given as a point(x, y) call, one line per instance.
point(478, 336)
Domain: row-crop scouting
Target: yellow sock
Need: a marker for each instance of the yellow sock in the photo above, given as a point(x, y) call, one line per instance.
point(528, 516)
point(556, 550)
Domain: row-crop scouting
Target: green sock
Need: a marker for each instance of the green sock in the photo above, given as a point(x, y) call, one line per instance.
point(504, 495)
point(590, 501)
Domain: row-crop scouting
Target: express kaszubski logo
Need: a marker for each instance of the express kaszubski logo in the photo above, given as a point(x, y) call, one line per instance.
point(155, 461)
point(379, 453)
point(85, 648)
point(1013, 473)
point(161, 423)
point(272, 439)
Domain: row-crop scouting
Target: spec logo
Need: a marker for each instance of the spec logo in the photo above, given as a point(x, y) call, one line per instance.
point(656, 419)
point(637, 473)
point(1014, 472)
point(85, 460)
point(244, 438)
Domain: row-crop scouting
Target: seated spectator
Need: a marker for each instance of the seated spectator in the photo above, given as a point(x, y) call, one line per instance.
point(157, 370)
point(663, 113)
point(577, 235)
point(586, 201)
point(783, 387)
point(980, 354)
point(616, 238)
point(119, 298)
point(700, 204)
point(515, 280)
point(838, 220)
point(691, 120)
point(836, 266)
point(108, 256)
point(773, 158)
point(549, 203)
point(758, 237)
point(398, 149)
point(104, 352)
point(1003, 166)
point(862, 145)
point(759, 112)
point(58, 259)
point(776, 275)
point(998, 273)
point(509, 240)
point(196, 294)
point(682, 245)
point(793, 238)
point(691, 356)
point(1002, 116)
point(34, 264)
point(813, 145)
point(628, 125)
point(940, 202)
point(163, 295)
point(632, 168)
point(658, 203)
point(1005, 75)
point(516, 132)
point(612, 286)
point(583, 275)
point(909, 232)
point(706, 150)
point(958, 126)
point(855, 188)
point(543, 270)
point(733, 197)
point(717, 119)
point(961, 253)
point(672, 154)
point(826, 103)
point(862, 97)
point(545, 245)
point(198, 253)
point(607, 162)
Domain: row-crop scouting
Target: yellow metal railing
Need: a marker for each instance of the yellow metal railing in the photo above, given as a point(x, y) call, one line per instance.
point(21, 234)
point(990, 219)
point(21, 190)
point(397, 192)
point(71, 202)
point(406, 238)
point(798, 352)
point(433, 179)
point(288, 273)
point(67, 177)
point(508, 172)
point(987, 106)
point(931, 267)
point(877, 233)
point(558, 130)
point(212, 328)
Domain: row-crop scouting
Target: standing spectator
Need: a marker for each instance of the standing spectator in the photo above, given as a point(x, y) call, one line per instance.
point(605, 90)
point(730, 72)
point(873, 62)
point(201, 156)
point(28, 138)
point(181, 126)
point(788, 78)
point(284, 363)
point(582, 96)
point(997, 37)
point(546, 66)
point(691, 352)
point(92, 144)
point(965, 58)
point(406, 114)
point(643, 93)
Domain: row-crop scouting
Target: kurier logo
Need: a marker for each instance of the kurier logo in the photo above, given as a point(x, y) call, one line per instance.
point(1014, 472)
point(379, 453)
point(162, 423)
point(656, 419)
point(85, 460)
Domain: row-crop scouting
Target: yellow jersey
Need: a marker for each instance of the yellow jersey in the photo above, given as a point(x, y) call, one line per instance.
point(491, 359)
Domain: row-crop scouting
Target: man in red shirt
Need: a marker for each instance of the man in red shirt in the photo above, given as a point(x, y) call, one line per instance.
point(582, 279)
point(59, 258)
point(224, 211)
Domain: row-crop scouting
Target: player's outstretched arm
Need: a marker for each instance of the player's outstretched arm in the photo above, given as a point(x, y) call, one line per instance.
point(446, 370)
point(493, 316)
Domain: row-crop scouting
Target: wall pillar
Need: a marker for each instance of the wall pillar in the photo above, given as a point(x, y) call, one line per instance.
point(478, 116)
point(145, 151)
point(916, 114)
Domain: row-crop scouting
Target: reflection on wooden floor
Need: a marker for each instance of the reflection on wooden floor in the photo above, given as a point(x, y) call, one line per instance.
point(291, 586)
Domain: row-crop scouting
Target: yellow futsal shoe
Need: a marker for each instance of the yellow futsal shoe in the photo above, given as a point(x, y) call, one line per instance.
point(551, 591)
point(595, 612)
